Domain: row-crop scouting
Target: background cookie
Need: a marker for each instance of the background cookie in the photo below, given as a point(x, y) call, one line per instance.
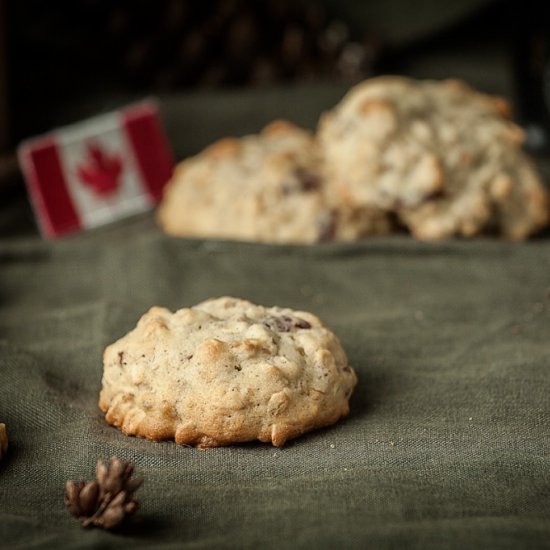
point(223, 372)
point(264, 187)
point(444, 157)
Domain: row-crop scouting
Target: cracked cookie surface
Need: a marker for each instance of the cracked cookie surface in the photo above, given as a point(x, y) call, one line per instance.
point(225, 371)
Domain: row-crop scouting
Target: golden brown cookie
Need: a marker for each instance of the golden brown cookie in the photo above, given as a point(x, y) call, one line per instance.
point(223, 372)
point(446, 159)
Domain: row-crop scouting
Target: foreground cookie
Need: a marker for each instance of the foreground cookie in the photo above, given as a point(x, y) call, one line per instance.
point(223, 372)
point(264, 187)
point(444, 158)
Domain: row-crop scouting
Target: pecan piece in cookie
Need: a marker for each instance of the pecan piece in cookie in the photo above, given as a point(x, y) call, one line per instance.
point(285, 323)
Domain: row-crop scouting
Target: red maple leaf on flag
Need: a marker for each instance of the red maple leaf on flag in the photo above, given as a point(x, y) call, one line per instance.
point(101, 170)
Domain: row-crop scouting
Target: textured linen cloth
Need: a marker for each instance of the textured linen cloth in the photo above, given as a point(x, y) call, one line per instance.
point(446, 445)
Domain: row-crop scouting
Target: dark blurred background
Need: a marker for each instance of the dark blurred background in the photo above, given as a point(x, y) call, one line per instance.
point(228, 66)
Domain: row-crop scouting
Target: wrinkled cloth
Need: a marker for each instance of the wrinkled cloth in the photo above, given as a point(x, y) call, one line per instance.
point(446, 445)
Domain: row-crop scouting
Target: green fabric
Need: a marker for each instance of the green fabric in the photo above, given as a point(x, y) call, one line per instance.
point(446, 445)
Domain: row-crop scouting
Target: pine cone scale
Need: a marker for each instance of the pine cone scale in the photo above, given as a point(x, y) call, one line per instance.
point(132, 485)
point(88, 498)
point(72, 490)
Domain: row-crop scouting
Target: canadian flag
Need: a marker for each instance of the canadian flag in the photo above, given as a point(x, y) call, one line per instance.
point(98, 170)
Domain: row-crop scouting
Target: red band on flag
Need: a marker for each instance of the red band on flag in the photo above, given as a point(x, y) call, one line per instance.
point(151, 149)
point(48, 188)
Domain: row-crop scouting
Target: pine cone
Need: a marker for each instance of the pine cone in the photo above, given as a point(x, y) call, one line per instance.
point(3, 440)
point(106, 501)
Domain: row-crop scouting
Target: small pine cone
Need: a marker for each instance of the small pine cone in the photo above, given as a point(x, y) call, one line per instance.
point(106, 501)
point(3, 440)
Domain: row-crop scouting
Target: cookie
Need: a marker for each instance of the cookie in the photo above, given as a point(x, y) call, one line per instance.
point(3, 440)
point(225, 371)
point(444, 158)
point(264, 187)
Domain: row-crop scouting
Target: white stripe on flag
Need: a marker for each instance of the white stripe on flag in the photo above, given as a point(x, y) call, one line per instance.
point(131, 196)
